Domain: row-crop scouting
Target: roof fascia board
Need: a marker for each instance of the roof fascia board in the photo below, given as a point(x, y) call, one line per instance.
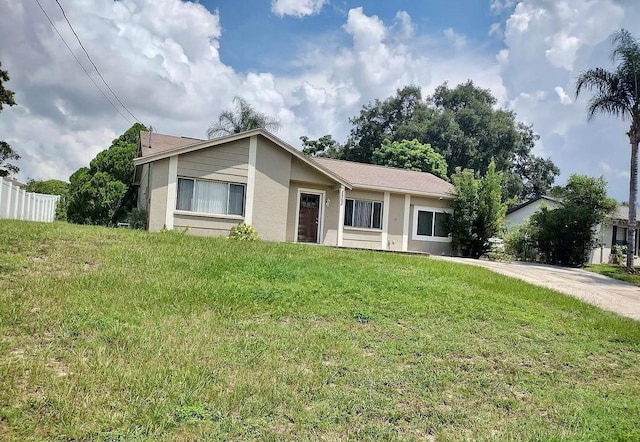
point(235, 137)
point(404, 191)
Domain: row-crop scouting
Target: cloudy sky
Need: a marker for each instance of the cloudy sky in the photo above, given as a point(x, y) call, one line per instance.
point(312, 63)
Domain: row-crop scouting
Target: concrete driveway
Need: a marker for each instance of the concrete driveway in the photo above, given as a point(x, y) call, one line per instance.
point(604, 292)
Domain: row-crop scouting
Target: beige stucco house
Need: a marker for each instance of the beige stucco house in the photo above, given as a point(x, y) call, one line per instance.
point(209, 186)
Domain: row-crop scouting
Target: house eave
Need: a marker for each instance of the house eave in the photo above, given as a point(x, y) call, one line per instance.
point(235, 137)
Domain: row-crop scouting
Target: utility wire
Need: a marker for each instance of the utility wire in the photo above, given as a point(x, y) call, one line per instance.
point(83, 68)
point(94, 65)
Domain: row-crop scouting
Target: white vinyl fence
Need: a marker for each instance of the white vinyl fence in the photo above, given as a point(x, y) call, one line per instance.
point(16, 203)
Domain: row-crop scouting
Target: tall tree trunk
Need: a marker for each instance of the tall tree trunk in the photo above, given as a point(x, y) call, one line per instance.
point(633, 192)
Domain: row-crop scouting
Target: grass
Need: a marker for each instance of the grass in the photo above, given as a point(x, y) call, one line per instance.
point(121, 335)
point(615, 272)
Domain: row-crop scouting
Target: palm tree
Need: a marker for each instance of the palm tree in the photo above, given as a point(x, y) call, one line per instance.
point(618, 93)
point(241, 119)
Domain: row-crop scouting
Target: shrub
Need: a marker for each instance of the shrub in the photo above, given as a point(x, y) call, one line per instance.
point(137, 219)
point(519, 243)
point(243, 232)
point(618, 254)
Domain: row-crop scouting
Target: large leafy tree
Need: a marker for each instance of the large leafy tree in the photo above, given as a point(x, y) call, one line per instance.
point(103, 193)
point(6, 151)
point(410, 155)
point(617, 93)
point(242, 118)
point(463, 124)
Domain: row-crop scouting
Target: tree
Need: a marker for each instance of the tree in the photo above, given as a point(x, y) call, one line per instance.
point(103, 193)
point(617, 93)
point(7, 154)
point(381, 120)
point(242, 118)
point(566, 235)
point(411, 155)
point(6, 151)
point(48, 187)
point(324, 146)
point(463, 125)
point(478, 210)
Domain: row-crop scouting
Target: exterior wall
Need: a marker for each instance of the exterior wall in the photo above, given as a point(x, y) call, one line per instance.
point(303, 173)
point(329, 235)
point(432, 247)
point(396, 222)
point(143, 189)
point(228, 163)
point(271, 194)
point(204, 225)
point(159, 178)
point(358, 237)
point(520, 216)
point(602, 254)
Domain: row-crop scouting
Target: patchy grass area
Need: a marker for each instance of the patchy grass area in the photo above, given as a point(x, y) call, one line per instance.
point(616, 272)
point(120, 335)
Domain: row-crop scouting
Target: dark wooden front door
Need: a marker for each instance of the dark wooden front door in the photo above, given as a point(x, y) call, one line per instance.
point(309, 218)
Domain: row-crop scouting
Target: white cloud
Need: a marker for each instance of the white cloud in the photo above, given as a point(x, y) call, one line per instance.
point(459, 41)
point(495, 29)
point(499, 6)
point(296, 8)
point(564, 98)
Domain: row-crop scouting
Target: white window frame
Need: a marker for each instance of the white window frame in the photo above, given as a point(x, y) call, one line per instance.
point(207, 214)
point(433, 238)
point(376, 229)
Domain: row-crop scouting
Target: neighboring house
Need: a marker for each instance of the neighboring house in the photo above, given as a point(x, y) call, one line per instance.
point(614, 231)
point(517, 215)
point(209, 186)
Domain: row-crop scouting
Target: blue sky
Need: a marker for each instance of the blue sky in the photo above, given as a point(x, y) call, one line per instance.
point(312, 63)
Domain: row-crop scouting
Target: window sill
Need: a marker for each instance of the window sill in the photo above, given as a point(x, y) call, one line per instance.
point(430, 238)
point(363, 229)
point(207, 215)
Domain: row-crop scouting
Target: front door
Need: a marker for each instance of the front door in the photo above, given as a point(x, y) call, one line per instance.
point(309, 218)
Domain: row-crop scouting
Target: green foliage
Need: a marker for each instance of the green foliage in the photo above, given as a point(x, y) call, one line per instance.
point(324, 146)
point(6, 151)
point(478, 211)
point(241, 119)
point(618, 254)
point(103, 193)
point(243, 232)
point(411, 155)
point(7, 154)
point(48, 187)
point(463, 125)
point(565, 235)
point(519, 243)
point(138, 219)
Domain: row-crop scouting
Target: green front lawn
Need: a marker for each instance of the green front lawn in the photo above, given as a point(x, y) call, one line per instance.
point(616, 272)
point(121, 335)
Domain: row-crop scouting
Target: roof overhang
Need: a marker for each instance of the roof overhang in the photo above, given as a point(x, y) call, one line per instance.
point(241, 136)
point(446, 195)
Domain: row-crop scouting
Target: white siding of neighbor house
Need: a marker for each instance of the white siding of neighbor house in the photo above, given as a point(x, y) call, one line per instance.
point(521, 215)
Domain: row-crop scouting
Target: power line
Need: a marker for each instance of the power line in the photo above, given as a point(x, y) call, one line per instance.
point(85, 71)
point(94, 65)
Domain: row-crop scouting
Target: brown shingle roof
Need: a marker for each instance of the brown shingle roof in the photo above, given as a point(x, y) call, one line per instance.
point(372, 176)
point(162, 143)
